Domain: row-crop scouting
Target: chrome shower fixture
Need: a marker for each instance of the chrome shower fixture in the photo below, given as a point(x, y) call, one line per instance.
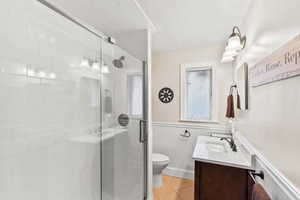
point(118, 63)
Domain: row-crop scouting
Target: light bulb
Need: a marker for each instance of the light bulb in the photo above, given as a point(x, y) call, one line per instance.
point(30, 72)
point(234, 43)
point(52, 75)
point(230, 53)
point(42, 74)
point(84, 63)
point(227, 59)
point(96, 66)
point(105, 69)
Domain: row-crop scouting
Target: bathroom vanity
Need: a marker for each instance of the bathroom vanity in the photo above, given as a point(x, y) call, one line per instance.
point(220, 173)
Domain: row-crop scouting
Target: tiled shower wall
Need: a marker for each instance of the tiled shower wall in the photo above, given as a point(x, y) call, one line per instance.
point(48, 104)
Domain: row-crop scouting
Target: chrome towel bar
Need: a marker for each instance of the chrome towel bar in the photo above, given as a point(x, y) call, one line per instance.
point(254, 174)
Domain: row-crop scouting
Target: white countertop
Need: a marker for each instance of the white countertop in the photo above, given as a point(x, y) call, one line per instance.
point(212, 150)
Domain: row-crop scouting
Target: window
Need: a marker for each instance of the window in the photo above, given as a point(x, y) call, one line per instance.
point(196, 93)
point(135, 94)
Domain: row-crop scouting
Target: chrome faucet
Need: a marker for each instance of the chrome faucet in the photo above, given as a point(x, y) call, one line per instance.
point(231, 143)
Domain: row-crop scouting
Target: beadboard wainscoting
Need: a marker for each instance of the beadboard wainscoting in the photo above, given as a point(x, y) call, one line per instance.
point(167, 140)
point(276, 184)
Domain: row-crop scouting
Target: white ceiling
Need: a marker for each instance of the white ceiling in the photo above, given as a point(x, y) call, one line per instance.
point(122, 19)
point(108, 16)
point(193, 23)
point(179, 23)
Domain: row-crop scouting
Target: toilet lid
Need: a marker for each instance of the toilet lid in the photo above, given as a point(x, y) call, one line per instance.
point(157, 157)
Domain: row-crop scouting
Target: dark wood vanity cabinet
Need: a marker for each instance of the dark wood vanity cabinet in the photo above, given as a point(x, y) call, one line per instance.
point(218, 182)
point(250, 186)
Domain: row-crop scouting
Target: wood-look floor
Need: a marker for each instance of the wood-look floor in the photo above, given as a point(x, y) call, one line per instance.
point(175, 189)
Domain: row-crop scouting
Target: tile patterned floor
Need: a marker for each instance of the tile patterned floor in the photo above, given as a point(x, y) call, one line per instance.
point(175, 189)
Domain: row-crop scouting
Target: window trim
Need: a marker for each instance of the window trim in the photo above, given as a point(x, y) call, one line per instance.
point(213, 110)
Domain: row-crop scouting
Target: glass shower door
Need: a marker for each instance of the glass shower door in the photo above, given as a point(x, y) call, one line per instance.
point(49, 105)
point(123, 125)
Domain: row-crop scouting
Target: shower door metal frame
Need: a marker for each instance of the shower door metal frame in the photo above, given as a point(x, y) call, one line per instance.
point(145, 126)
point(73, 19)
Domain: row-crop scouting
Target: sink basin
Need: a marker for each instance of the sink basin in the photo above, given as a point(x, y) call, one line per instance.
point(212, 150)
point(218, 147)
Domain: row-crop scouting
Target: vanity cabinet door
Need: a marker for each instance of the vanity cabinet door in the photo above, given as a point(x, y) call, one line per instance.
point(250, 187)
point(218, 182)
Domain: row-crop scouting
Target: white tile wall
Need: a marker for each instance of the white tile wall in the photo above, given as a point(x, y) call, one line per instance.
point(40, 116)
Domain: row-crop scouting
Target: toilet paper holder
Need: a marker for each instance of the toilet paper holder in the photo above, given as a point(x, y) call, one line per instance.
point(186, 134)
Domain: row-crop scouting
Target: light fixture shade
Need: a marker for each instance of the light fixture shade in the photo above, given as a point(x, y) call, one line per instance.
point(237, 48)
point(234, 43)
point(230, 53)
point(227, 59)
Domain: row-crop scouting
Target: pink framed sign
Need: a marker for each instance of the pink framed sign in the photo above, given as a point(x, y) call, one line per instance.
point(282, 64)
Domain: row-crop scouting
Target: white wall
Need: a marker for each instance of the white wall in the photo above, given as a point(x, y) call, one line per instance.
point(166, 73)
point(167, 140)
point(272, 123)
point(47, 147)
point(167, 127)
point(134, 42)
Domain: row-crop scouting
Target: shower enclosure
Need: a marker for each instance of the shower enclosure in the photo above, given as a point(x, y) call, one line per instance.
point(72, 110)
point(123, 125)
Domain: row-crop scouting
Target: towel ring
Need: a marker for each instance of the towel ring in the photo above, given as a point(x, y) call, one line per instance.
point(232, 87)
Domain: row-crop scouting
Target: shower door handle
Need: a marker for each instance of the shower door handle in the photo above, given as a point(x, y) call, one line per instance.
point(142, 130)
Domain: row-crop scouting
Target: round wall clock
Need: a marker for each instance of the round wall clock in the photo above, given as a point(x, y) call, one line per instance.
point(166, 95)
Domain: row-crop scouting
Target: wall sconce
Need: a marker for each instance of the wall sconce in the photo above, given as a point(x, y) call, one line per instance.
point(236, 42)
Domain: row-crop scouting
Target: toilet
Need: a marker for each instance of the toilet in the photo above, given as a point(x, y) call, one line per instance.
point(159, 162)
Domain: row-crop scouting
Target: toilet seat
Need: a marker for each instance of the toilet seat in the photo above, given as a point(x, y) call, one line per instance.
point(158, 158)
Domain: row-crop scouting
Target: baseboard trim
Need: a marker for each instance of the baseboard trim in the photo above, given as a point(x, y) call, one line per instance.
point(180, 173)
